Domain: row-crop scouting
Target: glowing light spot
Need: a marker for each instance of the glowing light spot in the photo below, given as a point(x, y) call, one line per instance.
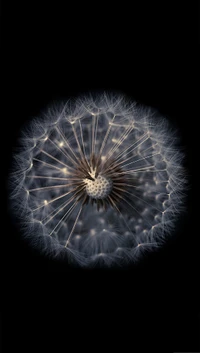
point(64, 170)
point(115, 140)
point(93, 232)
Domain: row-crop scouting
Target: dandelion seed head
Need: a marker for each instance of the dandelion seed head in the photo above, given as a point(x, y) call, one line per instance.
point(96, 180)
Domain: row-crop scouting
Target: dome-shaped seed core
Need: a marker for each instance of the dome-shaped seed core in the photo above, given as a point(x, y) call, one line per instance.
point(98, 188)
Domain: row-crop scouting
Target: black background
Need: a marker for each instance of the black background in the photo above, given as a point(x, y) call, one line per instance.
point(53, 52)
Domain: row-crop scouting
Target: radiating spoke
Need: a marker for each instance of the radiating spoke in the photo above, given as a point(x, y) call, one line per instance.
point(130, 205)
point(55, 199)
point(50, 177)
point(96, 128)
point(67, 143)
point(133, 156)
point(133, 146)
point(65, 154)
point(115, 206)
point(48, 164)
point(57, 210)
point(78, 143)
point(53, 187)
point(137, 197)
point(66, 215)
point(57, 160)
point(120, 155)
point(93, 135)
point(82, 140)
point(137, 160)
point(119, 142)
point(75, 223)
point(105, 138)
point(131, 171)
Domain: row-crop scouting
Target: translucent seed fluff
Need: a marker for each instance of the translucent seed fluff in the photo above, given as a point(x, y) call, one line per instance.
point(97, 181)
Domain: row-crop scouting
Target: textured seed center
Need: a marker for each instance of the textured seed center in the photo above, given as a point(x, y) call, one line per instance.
point(99, 188)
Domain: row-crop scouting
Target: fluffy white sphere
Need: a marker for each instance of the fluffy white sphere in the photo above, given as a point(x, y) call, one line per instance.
point(99, 181)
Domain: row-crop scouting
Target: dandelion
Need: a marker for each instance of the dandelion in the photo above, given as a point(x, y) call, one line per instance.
point(98, 181)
